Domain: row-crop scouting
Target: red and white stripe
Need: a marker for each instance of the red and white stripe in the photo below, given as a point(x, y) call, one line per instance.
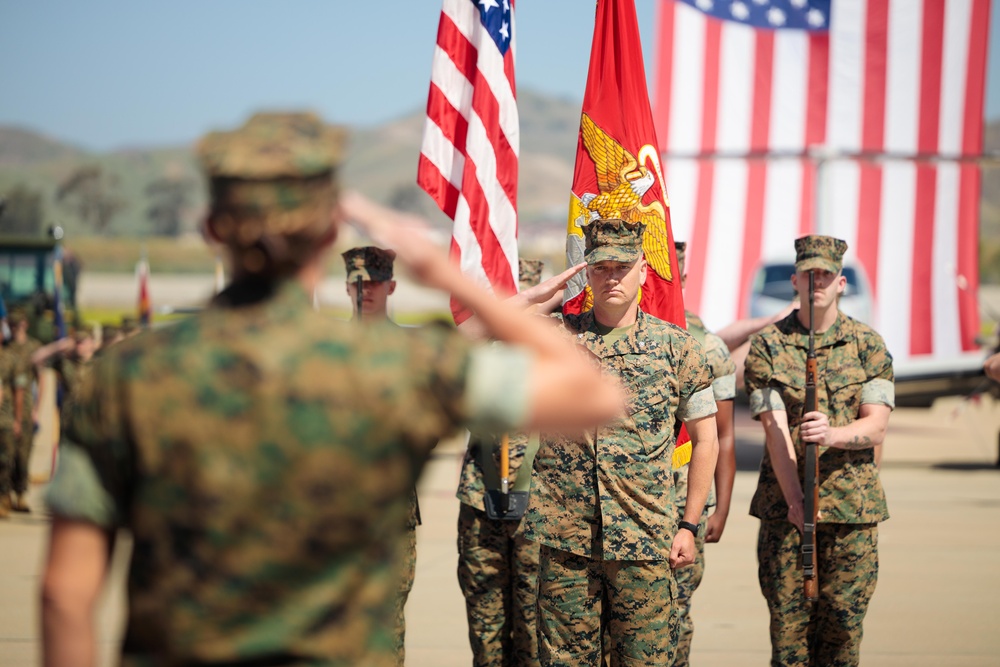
point(469, 157)
point(900, 77)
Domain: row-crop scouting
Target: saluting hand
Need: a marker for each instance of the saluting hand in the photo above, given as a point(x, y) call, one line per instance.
point(547, 294)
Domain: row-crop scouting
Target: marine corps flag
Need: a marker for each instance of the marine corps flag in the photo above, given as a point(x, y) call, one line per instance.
point(618, 173)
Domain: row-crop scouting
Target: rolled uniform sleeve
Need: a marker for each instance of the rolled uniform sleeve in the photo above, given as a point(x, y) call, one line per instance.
point(879, 388)
point(723, 368)
point(497, 388)
point(758, 370)
point(695, 382)
point(92, 481)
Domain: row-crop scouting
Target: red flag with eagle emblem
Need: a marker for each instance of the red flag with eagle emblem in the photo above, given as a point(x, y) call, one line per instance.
point(618, 172)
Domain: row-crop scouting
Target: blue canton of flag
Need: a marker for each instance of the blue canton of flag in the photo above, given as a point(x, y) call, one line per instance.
point(812, 15)
point(495, 15)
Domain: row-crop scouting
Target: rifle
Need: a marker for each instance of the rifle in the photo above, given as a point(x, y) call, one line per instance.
point(358, 296)
point(810, 489)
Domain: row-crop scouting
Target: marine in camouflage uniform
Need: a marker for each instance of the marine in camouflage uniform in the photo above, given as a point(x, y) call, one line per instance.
point(372, 266)
point(854, 391)
point(497, 566)
point(723, 372)
point(260, 454)
point(8, 371)
point(602, 504)
point(21, 347)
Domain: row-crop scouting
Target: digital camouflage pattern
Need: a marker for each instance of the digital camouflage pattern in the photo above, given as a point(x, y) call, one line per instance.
point(529, 272)
point(262, 456)
point(853, 367)
point(635, 614)
point(405, 586)
point(498, 575)
point(618, 505)
point(24, 376)
point(847, 568)
point(723, 372)
point(369, 263)
point(602, 503)
point(612, 240)
point(273, 175)
point(819, 252)
point(8, 445)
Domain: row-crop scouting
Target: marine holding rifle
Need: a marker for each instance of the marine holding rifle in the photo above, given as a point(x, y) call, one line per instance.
point(854, 395)
point(260, 454)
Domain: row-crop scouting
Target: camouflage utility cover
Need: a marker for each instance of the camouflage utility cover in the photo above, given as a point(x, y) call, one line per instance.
point(262, 456)
point(612, 240)
point(819, 252)
point(609, 494)
point(271, 176)
point(853, 368)
point(369, 263)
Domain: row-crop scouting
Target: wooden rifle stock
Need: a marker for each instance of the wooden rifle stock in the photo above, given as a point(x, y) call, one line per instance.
point(811, 482)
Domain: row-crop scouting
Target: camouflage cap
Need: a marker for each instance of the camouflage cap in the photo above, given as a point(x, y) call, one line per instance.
point(369, 263)
point(529, 272)
point(613, 240)
point(273, 175)
point(17, 318)
point(819, 252)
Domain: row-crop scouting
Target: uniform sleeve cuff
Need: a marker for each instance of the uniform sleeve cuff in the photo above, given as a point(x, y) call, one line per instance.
point(882, 392)
point(765, 399)
point(724, 388)
point(699, 404)
point(76, 491)
point(497, 388)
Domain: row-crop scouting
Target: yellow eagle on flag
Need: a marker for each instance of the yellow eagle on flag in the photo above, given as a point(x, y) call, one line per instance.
point(623, 181)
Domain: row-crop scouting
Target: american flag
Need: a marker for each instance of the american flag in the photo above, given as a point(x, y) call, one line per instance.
point(469, 157)
point(888, 93)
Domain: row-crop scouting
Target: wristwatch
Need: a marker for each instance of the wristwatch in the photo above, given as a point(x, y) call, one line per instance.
point(693, 527)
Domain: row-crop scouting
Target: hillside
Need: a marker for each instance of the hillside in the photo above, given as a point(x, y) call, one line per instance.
point(381, 163)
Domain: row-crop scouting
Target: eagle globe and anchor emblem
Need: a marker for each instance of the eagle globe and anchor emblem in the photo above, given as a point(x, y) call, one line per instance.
point(623, 180)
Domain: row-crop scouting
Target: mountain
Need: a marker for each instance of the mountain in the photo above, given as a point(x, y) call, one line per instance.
point(381, 163)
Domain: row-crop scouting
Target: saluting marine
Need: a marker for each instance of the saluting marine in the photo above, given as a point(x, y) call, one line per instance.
point(262, 455)
point(602, 504)
point(855, 395)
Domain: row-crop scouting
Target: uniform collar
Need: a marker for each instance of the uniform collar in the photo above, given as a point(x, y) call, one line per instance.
point(634, 342)
point(798, 335)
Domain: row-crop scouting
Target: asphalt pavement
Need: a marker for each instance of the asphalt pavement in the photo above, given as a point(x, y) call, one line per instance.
point(938, 596)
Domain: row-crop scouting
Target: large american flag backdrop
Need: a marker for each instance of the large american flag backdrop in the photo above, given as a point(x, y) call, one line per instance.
point(469, 157)
point(891, 91)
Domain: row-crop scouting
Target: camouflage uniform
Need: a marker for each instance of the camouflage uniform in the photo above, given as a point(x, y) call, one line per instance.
point(8, 371)
point(497, 566)
point(602, 505)
point(853, 368)
point(23, 380)
point(723, 372)
point(262, 455)
point(375, 264)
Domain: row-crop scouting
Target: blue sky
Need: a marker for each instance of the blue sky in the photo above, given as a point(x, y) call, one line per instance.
point(108, 74)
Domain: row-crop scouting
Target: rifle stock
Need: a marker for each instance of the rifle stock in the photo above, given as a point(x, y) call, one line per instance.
point(811, 482)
